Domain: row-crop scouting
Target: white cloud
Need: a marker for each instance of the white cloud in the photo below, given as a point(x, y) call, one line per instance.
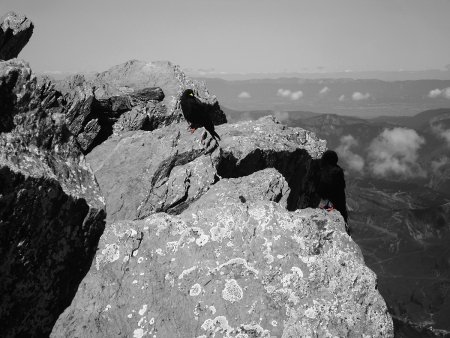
point(434, 93)
point(244, 95)
point(296, 95)
point(357, 96)
point(283, 92)
point(354, 161)
point(324, 90)
point(445, 92)
point(395, 151)
point(342, 98)
point(287, 93)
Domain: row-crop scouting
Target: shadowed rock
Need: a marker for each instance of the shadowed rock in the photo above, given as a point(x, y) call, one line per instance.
point(15, 91)
point(93, 120)
point(15, 32)
point(48, 239)
point(51, 211)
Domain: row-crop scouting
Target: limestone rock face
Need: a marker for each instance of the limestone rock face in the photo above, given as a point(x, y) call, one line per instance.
point(15, 32)
point(142, 173)
point(51, 210)
point(133, 77)
point(228, 267)
point(36, 139)
point(93, 120)
point(264, 185)
point(15, 91)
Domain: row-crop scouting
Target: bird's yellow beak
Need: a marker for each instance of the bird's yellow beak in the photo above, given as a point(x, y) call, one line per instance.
point(191, 94)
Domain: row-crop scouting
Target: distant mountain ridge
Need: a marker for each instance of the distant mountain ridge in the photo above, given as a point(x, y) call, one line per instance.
point(365, 98)
point(400, 75)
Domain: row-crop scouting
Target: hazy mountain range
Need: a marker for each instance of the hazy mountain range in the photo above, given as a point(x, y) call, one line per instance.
point(363, 98)
point(400, 75)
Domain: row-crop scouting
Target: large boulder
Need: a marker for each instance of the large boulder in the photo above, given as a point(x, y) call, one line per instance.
point(229, 266)
point(51, 210)
point(134, 78)
point(93, 120)
point(15, 31)
point(142, 173)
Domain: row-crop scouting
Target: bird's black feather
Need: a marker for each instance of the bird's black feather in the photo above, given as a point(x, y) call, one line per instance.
point(196, 112)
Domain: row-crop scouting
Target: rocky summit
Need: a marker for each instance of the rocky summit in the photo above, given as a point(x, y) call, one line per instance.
point(115, 220)
point(15, 32)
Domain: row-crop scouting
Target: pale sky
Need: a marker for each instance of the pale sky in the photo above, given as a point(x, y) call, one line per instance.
point(238, 35)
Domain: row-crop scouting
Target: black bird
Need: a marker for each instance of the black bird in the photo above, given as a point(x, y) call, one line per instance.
point(196, 113)
point(331, 183)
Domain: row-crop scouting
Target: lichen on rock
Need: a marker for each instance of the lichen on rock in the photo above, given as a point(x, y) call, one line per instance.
point(319, 288)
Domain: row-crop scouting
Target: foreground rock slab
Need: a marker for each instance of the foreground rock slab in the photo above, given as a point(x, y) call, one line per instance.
point(228, 268)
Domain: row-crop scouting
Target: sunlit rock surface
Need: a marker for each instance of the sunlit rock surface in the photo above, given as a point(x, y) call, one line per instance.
point(228, 268)
point(142, 172)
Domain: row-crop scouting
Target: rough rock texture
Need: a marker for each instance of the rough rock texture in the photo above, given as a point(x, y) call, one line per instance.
point(254, 145)
point(15, 31)
point(36, 140)
point(51, 210)
point(132, 77)
point(165, 170)
point(228, 268)
point(264, 185)
point(93, 120)
point(15, 89)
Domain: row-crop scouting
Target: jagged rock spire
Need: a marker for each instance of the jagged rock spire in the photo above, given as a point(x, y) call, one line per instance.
point(15, 32)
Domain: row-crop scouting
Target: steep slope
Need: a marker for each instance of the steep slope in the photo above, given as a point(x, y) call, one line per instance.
point(51, 210)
